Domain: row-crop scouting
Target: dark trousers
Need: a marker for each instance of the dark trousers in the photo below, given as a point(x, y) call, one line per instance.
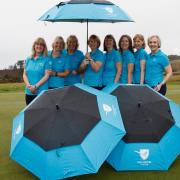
point(163, 89)
point(29, 98)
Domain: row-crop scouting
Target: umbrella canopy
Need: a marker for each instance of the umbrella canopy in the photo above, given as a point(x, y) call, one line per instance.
point(83, 11)
point(152, 124)
point(66, 132)
point(86, 11)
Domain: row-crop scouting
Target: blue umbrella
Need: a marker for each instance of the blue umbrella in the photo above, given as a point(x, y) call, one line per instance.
point(66, 132)
point(86, 11)
point(152, 123)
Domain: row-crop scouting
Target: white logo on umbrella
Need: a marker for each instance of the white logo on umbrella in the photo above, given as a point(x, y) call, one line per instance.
point(143, 153)
point(18, 130)
point(107, 108)
point(110, 10)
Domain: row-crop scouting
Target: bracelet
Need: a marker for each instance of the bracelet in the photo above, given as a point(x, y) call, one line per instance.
point(56, 73)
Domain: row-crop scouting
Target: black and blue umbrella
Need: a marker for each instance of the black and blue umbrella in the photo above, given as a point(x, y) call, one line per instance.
point(152, 123)
point(66, 132)
point(86, 11)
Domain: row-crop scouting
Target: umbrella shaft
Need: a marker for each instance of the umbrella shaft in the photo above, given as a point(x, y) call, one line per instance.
point(87, 37)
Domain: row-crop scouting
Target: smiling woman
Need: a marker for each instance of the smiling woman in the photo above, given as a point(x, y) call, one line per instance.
point(36, 70)
point(157, 64)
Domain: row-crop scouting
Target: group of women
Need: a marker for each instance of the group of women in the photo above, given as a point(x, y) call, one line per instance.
point(66, 65)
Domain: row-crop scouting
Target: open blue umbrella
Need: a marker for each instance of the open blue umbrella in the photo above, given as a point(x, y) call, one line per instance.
point(66, 132)
point(152, 123)
point(86, 11)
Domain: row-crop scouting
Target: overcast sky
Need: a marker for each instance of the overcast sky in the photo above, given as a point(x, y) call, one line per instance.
point(19, 26)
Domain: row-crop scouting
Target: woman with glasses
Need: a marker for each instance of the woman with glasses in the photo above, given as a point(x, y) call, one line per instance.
point(36, 70)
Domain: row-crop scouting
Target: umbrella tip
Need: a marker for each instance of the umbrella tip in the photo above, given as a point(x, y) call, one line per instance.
point(57, 107)
point(60, 4)
point(139, 104)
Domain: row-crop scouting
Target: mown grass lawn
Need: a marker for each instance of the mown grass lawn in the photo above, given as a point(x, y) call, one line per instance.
point(12, 101)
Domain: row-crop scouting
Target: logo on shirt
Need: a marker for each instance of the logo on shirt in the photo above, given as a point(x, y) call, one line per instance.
point(60, 62)
point(41, 64)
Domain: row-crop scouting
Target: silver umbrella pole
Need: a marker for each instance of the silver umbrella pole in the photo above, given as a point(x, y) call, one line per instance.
point(87, 37)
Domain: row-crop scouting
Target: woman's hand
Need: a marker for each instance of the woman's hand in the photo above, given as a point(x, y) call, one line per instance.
point(33, 88)
point(51, 73)
point(116, 80)
point(74, 72)
point(88, 56)
point(28, 86)
point(158, 87)
point(85, 62)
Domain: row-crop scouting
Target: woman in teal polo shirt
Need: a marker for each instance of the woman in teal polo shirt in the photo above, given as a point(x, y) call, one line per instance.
point(36, 70)
point(126, 49)
point(93, 64)
point(113, 61)
point(75, 58)
point(140, 59)
point(157, 64)
point(60, 67)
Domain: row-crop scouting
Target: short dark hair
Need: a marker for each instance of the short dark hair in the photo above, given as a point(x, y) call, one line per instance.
point(95, 38)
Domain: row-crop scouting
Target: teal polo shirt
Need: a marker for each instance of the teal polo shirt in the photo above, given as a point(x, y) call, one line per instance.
point(139, 55)
point(110, 70)
point(92, 78)
point(155, 67)
point(35, 70)
point(75, 61)
point(127, 58)
point(59, 64)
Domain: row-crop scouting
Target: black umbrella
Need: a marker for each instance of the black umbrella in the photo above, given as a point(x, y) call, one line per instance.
point(57, 112)
point(66, 132)
point(146, 115)
point(152, 125)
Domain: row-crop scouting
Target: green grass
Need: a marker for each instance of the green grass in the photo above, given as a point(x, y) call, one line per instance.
point(12, 101)
point(11, 87)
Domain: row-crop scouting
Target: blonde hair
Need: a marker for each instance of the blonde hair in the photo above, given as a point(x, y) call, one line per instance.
point(141, 37)
point(39, 40)
point(158, 39)
point(73, 38)
point(58, 39)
